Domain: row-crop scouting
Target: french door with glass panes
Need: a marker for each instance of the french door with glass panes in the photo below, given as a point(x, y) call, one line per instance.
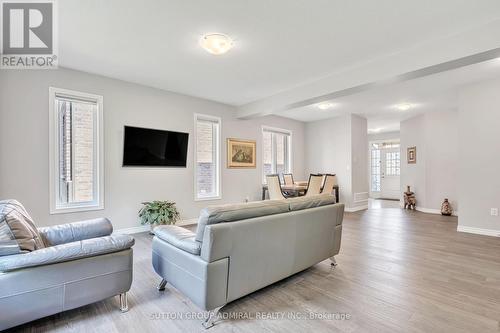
point(385, 169)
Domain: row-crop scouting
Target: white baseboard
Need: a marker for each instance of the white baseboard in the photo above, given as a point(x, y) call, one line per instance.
point(144, 228)
point(479, 231)
point(363, 202)
point(432, 211)
point(133, 230)
point(428, 210)
point(356, 209)
point(187, 222)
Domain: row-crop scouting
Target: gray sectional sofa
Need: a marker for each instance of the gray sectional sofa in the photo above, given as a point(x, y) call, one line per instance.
point(238, 249)
point(82, 263)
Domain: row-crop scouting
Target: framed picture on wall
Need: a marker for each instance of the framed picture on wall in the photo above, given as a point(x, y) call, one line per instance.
point(241, 153)
point(411, 155)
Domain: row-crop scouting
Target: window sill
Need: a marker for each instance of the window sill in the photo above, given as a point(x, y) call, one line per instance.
point(75, 209)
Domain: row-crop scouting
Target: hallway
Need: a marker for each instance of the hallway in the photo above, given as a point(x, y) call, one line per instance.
point(381, 203)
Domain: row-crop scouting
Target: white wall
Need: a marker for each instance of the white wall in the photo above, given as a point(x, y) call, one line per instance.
point(24, 173)
point(479, 156)
point(412, 135)
point(435, 175)
point(339, 145)
point(359, 161)
point(327, 151)
point(442, 159)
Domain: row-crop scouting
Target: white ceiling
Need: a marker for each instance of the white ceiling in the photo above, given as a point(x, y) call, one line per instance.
point(436, 92)
point(280, 44)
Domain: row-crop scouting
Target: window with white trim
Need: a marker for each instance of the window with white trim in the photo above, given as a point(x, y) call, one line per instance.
point(276, 151)
point(375, 169)
point(392, 163)
point(207, 157)
point(76, 161)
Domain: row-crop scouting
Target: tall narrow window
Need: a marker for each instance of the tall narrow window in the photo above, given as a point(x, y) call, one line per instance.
point(207, 157)
point(76, 163)
point(276, 151)
point(375, 168)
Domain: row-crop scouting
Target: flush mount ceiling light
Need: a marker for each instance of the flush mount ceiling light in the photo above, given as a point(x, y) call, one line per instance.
point(216, 43)
point(325, 106)
point(404, 106)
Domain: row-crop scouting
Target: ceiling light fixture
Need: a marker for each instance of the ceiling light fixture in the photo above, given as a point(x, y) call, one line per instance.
point(325, 106)
point(216, 43)
point(404, 107)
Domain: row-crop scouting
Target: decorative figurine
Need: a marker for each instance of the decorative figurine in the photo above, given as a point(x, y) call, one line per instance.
point(410, 200)
point(446, 208)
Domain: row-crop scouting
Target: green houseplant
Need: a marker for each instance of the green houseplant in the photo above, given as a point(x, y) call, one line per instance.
point(158, 212)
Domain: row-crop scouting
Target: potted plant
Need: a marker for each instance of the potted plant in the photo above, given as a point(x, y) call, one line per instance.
point(158, 212)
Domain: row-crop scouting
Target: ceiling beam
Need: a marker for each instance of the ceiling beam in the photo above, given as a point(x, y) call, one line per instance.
point(435, 56)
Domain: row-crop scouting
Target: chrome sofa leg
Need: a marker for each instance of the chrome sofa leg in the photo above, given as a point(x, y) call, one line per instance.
point(212, 315)
point(123, 302)
point(333, 261)
point(162, 285)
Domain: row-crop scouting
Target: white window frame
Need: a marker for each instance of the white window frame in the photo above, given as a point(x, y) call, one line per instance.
point(218, 196)
point(289, 151)
point(98, 203)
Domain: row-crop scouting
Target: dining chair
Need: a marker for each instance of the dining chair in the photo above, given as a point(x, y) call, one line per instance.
point(274, 187)
point(330, 182)
point(314, 185)
point(288, 179)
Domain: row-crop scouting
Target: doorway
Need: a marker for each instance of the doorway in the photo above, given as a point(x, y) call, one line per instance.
point(385, 169)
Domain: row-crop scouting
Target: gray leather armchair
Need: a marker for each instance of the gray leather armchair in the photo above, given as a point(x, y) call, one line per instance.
point(83, 263)
point(238, 249)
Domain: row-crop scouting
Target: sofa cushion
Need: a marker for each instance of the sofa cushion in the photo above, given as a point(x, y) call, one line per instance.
point(179, 237)
point(66, 252)
point(311, 201)
point(236, 212)
point(21, 225)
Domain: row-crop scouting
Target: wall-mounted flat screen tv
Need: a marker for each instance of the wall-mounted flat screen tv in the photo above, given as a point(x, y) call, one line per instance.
point(152, 147)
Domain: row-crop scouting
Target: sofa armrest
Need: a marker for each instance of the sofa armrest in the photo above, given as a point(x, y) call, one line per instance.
point(67, 252)
point(217, 242)
point(179, 237)
point(77, 231)
point(340, 207)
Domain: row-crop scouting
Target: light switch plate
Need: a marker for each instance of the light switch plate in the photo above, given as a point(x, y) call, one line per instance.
point(494, 212)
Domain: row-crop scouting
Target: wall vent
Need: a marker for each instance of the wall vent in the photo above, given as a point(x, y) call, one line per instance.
point(361, 197)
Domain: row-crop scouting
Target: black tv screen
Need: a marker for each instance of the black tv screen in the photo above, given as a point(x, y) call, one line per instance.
point(151, 147)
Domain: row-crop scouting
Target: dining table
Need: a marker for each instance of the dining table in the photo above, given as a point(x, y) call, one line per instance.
point(297, 189)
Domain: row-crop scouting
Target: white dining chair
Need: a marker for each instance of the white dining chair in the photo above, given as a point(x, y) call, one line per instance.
point(314, 185)
point(288, 178)
point(330, 182)
point(274, 187)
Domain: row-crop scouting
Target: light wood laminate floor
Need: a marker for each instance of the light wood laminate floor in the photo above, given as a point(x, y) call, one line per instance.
point(398, 271)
